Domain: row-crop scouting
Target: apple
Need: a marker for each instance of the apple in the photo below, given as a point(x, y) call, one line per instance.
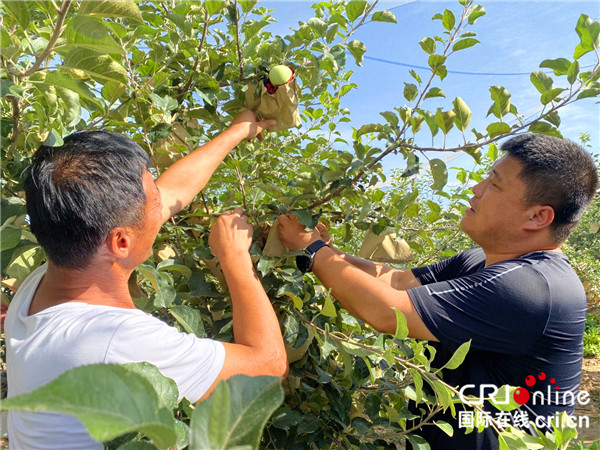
point(280, 74)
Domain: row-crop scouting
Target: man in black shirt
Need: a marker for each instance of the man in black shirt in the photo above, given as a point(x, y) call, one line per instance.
point(516, 297)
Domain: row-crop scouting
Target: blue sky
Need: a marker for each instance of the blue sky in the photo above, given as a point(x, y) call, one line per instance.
point(515, 37)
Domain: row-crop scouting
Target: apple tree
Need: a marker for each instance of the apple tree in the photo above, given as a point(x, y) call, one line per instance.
point(171, 74)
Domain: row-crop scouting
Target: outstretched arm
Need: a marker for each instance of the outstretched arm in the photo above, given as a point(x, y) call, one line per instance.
point(401, 280)
point(181, 182)
point(364, 296)
point(259, 347)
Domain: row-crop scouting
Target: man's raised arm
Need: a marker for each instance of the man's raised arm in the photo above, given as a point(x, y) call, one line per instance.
point(181, 182)
point(259, 347)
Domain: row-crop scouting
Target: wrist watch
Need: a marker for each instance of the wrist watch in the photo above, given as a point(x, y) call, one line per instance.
point(304, 262)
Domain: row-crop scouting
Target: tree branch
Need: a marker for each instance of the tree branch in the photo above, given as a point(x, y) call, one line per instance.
point(58, 29)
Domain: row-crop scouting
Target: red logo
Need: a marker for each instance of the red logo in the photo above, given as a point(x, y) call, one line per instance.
point(521, 395)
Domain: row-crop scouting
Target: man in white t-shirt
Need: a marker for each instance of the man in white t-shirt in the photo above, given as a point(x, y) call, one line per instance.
point(96, 210)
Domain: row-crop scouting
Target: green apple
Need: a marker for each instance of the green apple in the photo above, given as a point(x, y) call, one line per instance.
point(279, 75)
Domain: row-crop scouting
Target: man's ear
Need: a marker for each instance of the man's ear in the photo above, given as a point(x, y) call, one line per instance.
point(541, 217)
point(119, 242)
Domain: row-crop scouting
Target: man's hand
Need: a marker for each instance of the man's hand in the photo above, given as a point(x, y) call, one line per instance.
point(251, 126)
point(322, 229)
point(231, 235)
point(293, 235)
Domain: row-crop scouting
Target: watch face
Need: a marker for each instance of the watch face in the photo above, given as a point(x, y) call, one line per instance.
point(303, 263)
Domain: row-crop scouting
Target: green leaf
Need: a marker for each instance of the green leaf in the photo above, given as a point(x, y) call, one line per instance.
point(401, 325)
point(384, 16)
point(328, 307)
point(458, 357)
point(65, 80)
point(589, 35)
point(318, 25)
point(306, 218)
point(428, 45)
point(429, 118)
point(499, 401)
point(590, 92)
point(445, 427)
point(417, 442)
point(541, 81)
point(410, 91)
point(501, 98)
point(572, 72)
point(165, 388)
point(475, 13)
point(355, 9)
point(559, 65)
point(497, 128)
point(214, 6)
point(445, 120)
point(551, 95)
point(435, 92)
point(553, 118)
point(97, 65)
point(9, 238)
point(72, 111)
point(235, 413)
point(19, 10)
point(111, 8)
point(544, 128)
point(247, 5)
point(108, 399)
point(464, 43)
point(87, 32)
point(189, 318)
point(509, 441)
point(25, 260)
point(357, 49)
point(439, 172)
point(448, 20)
point(463, 114)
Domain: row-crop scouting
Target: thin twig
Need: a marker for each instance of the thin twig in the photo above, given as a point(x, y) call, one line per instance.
point(58, 29)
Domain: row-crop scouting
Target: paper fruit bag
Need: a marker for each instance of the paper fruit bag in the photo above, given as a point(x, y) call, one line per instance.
point(281, 105)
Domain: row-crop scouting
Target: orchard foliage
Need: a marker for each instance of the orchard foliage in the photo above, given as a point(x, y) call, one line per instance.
point(171, 75)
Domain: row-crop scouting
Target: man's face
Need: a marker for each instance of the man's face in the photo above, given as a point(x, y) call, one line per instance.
point(145, 235)
point(498, 212)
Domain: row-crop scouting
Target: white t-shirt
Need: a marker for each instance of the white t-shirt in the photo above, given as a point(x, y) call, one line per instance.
point(42, 346)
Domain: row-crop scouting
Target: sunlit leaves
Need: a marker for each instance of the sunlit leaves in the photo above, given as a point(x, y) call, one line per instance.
point(497, 129)
point(439, 172)
point(464, 43)
point(475, 13)
point(463, 114)
point(89, 33)
point(19, 10)
point(355, 9)
point(96, 65)
point(111, 8)
point(235, 413)
point(501, 98)
point(109, 400)
point(357, 49)
point(445, 120)
point(541, 81)
point(410, 91)
point(448, 19)
point(560, 66)
point(428, 45)
point(589, 35)
point(384, 16)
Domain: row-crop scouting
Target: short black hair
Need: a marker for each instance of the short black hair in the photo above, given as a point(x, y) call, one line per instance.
point(556, 172)
point(78, 192)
